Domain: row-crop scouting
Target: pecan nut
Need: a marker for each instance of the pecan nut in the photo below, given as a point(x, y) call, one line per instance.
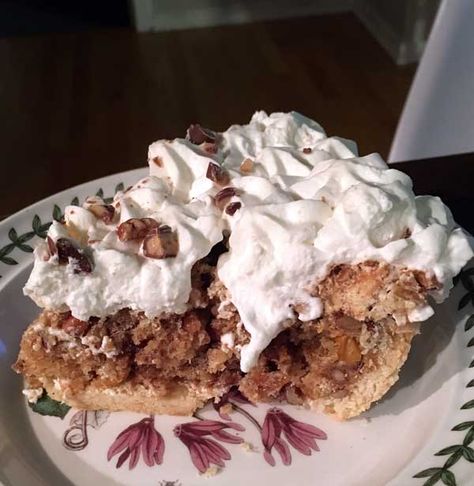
point(348, 350)
point(246, 166)
point(224, 196)
point(105, 212)
point(67, 251)
point(158, 161)
point(136, 228)
point(232, 208)
point(198, 135)
point(74, 327)
point(217, 174)
point(161, 243)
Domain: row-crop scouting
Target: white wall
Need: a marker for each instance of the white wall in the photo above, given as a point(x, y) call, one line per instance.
point(163, 15)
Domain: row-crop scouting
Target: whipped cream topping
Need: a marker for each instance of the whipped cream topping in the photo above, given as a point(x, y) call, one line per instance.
point(122, 276)
point(301, 202)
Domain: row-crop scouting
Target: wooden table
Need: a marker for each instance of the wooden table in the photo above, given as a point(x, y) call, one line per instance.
point(450, 178)
point(78, 106)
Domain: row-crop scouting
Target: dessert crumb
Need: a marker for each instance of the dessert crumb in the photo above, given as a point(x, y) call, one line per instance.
point(211, 471)
point(227, 408)
point(248, 447)
point(32, 394)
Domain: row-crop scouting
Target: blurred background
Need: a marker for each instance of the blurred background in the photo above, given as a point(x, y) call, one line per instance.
point(86, 85)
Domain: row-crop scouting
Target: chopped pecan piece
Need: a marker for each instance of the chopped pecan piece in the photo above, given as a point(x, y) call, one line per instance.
point(67, 251)
point(74, 327)
point(246, 166)
point(157, 161)
point(217, 174)
point(232, 208)
point(198, 135)
point(161, 243)
point(136, 228)
point(307, 150)
point(348, 350)
point(105, 212)
point(223, 196)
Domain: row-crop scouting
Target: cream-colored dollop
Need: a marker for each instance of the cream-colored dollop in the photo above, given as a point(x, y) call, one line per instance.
point(304, 202)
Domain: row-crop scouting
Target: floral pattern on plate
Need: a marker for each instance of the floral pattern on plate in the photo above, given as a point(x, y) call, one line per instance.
point(202, 437)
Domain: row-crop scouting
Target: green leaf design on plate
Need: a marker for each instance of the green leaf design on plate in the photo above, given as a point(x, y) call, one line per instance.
point(43, 229)
point(466, 281)
point(453, 459)
point(57, 213)
point(6, 249)
point(39, 228)
point(8, 260)
point(433, 480)
point(464, 301)
point(468, 454)
point(12, 234)
point(470, 384)
point(469, 437)
point(119, 187)
point(427, 472)
point(469, 324)
point(47, 406)
point(448, 450)
point(468, 405)
point(448, 478)
point(75, 201)
point(100, 193)
point(470, 343)
point(25, 237)
point(36, 223)
point(463, 426)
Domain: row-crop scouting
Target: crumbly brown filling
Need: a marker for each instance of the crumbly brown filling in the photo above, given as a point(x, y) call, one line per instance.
point(308, 360)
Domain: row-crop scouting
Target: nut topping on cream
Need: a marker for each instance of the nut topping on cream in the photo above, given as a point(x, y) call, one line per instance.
point(161, 243)
point(295, 203)
point(136, 228)
point(223, 196)
point(217, 174)
point(105, 212)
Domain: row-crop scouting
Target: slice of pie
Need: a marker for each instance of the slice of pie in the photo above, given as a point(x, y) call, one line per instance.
point(268, 257)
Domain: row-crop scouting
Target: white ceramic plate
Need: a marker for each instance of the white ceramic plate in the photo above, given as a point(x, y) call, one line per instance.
point(422, 432)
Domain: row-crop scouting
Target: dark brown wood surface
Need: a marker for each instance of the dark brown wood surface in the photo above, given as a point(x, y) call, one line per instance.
point(79, 106)
point(450, 178)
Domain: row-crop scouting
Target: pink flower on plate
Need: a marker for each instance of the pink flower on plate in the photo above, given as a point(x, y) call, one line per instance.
point(300, 435)
point(205, 451)
point(141, 437)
